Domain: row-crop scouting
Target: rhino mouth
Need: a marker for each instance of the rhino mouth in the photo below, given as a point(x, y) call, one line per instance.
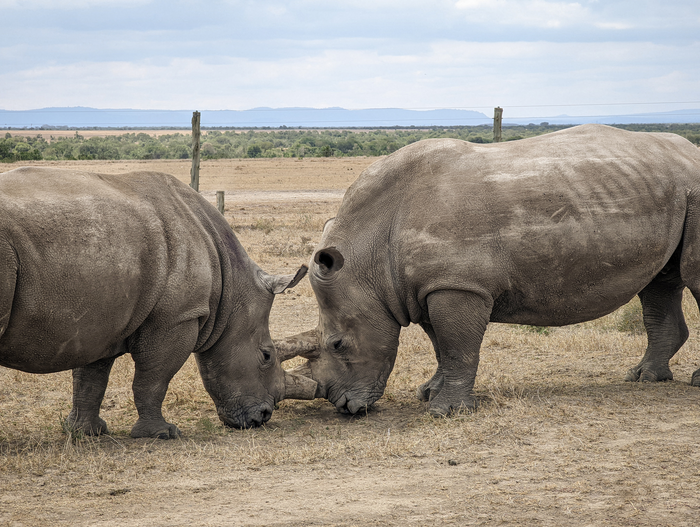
point(358, 398)
point(352, 402)
point(344, 405)
point(248, 416)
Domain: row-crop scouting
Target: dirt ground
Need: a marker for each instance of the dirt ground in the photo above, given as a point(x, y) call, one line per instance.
point(559, 438)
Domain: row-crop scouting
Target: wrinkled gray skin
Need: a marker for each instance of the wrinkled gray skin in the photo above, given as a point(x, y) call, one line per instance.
point(552, 230)
point(93, 266)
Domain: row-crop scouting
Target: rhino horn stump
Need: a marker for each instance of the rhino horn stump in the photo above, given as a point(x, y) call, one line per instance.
point(302, 344)
point(298, 383)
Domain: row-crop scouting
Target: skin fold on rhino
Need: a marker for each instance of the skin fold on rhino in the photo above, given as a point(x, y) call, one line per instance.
point(552, 230)
point(93, 266)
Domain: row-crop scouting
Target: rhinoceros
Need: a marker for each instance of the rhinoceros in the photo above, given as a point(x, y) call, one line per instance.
point(93, 266)
point(547, 231)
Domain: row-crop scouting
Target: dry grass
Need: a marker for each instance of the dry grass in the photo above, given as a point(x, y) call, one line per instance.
point(559, 438)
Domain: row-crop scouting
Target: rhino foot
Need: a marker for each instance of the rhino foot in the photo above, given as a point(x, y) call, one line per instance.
point(429, 390)
point(89, 426)
point(645, 374)
point(695, 379)
point(159, 429)
point(423, 392)
point(441, 406)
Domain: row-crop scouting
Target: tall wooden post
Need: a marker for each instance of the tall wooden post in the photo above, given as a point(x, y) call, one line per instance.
point(220, 204)
point(497, 118)
point(194, 172)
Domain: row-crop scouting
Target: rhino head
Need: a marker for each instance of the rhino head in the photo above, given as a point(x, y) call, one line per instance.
point(242, 371)
point(352, 351)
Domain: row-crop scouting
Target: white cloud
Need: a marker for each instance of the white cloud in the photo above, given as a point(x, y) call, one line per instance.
point(356, 54)
point(537, 13)
point(476, 4)
point(68, 4)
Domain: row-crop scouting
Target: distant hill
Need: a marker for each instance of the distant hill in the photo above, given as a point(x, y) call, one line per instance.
point(81, 117)
point(673, 117)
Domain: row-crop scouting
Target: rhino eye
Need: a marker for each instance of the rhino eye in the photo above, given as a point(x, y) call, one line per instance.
point(337, 344)
point(267, 355)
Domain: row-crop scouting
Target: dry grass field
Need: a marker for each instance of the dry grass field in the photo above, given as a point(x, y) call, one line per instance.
point(559, 438)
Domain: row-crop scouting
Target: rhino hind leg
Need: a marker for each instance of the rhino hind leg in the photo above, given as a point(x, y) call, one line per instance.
point(430, 389)
point(695, 378)
point(459, 320)
point(665, 326)
point(89, 385)
point(158, 353)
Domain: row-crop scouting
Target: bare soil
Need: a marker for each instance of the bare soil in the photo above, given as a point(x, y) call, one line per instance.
point(559, 438)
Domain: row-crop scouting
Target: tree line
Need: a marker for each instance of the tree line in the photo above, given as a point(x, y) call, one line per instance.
point(228, 144)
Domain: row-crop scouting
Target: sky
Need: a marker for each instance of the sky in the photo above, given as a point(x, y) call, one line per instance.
point(534, 58)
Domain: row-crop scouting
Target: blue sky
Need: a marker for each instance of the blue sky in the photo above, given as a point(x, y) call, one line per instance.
point(533, 57)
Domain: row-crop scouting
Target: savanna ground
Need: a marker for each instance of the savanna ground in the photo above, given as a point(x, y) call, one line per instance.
point(559, 438)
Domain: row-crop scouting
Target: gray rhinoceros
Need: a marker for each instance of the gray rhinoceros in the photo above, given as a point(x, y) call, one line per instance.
point(552, 230)
point(93, 266)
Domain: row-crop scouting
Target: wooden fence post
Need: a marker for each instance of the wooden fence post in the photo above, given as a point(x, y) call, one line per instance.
point(497, 118)
point(194, 172)
point(220, 201)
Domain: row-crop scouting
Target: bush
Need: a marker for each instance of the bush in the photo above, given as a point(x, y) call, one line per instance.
point(254, 151)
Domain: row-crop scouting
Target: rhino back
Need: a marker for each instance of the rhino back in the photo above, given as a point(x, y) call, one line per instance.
point(97, 256)
point(561, 228)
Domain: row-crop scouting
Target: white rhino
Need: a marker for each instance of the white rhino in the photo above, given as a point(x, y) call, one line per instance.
point(93, 266)
point(552, 230)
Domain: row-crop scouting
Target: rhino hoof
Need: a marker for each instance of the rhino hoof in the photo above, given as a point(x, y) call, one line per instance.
point(632, 375)
point(423, 393)
point(89, 427)
point(156, 429)
point(438, 408)
point(437, 411)
point(695, 379)
point(648, 376)
point(427, 391)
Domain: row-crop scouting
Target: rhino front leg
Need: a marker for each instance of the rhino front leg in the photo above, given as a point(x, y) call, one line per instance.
point(89, 385)
point(430, 389)
point(666, 331)
point(158, 355)
point(459, 320)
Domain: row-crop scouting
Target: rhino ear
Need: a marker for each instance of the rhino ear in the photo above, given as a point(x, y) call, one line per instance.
point(329, 260)
point(278, 284)
point(328, 224)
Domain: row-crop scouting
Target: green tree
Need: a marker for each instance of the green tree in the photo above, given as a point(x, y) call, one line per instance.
point(254, 151)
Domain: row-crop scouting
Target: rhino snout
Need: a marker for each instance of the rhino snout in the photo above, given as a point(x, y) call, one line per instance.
point(249, 417)
point(351, 402)
point(352, 406)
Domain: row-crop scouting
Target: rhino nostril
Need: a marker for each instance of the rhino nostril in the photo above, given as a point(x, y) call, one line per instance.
point(354, 406)
point(265, 414)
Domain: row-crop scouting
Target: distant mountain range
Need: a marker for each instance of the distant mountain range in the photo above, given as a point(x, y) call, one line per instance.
point(81, 117)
